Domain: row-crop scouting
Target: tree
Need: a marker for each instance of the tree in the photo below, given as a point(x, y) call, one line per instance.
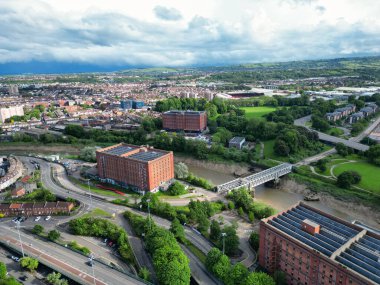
point(347, 178)
point(75, 131)
point(212, 258)
point(319, 123)
point(144, 274)
point(231, 240)
point(9, 281)
point(173, 266)
point(342, 149)
point(54, 278)
point(3, 270)
point(373, 154)
point(279, 277)
point(29, 263)
point(222, 268)
point(254, 241)
point(37, 229)
point(53, 235)
point(322, 164)
point(178, 231)
point(238, 274)
point(281, 148)
point(251, 216)
point(240, 211)
point(259, 278)
point(215, 230)
point(231, 205)
point(181, 170)
point(88, 153)
point(203, 224)
point(176, 188)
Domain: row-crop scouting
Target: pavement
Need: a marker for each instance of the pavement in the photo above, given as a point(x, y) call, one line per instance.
point(353, 143)
point(61, 186)
point(64, 260)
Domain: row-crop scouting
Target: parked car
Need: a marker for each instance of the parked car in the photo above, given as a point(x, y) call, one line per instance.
point(47, 218)
point(37, 219)
point(15, 258)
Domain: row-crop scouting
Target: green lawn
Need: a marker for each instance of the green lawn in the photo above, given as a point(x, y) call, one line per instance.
point(257, 112)
point(97, 212)
point(268, 149)
point(93, 189)
point(369, 173)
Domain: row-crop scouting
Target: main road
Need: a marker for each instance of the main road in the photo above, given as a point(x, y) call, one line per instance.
point(58, 182)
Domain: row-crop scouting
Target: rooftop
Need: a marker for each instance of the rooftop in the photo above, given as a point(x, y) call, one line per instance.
point(147, 156)
point(237, 140)
point(338, 240)
point(188, 112)
point(119, 150)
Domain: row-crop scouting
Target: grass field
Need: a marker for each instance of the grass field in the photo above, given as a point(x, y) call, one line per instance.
point(93, 189)
point(97, 212)
point(369, 173)
point(257, 112)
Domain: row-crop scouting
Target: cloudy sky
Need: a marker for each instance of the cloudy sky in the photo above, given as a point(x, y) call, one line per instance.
point(185, 33)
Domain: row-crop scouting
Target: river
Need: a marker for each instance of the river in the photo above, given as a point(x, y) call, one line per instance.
point(278, 199)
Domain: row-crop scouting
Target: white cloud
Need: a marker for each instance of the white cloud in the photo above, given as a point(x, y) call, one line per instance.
point(168, 32)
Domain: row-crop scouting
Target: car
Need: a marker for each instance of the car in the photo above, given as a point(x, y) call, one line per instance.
point(23, 219)
point(15, 258)
point(15, 220)
point(47, 218)
point(37, 219)
point(23, 278)
point(90, 263)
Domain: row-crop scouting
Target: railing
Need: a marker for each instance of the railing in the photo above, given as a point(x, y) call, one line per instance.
point(257, 178)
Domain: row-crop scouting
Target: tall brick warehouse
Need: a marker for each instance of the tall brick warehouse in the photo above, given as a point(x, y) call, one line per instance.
point(315, 248)
point(142, 168)
point(190, 121)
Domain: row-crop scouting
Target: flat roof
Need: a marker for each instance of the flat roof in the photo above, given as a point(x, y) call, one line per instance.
point(187, 112)
point(361, 254)
point(147, 155)
point(119, 150)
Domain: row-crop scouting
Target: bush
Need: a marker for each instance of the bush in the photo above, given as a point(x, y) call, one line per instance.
point(53, 235)
point(38, 229)
point(348, 178)
point(254, 240)
point(176, 189)
point(74, 245)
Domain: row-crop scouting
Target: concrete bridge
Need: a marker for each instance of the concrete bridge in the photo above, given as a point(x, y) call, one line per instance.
point(256, 179)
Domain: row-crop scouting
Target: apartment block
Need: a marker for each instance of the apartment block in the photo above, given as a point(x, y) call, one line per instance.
point(190, 121)
point(314, 248)
point(142, 168)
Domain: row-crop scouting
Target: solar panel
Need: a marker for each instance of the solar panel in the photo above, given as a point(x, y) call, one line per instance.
point(147, 156)
point(119, 150)
point(359, 269)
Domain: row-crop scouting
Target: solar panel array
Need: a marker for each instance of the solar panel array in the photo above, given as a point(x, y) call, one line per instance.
point(147, 156)
point(119, 150)
point(364, 257)
point(331, 236)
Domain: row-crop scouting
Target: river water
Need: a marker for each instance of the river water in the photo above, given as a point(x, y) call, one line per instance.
point(278, 199)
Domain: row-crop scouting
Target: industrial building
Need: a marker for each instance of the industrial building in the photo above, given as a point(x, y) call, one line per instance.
point(314, 248)
point(188, 121)
point(236, 142)
point(141, 168)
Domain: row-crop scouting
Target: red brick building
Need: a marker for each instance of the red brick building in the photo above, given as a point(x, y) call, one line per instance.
point(191, 121)
point(315, 248)
point(142, 168)
point(36, 209)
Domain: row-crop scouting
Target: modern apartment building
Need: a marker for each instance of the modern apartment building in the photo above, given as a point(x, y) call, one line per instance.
point(314, 248)
point(190, 121)
point(8, 112)
point(142, 168)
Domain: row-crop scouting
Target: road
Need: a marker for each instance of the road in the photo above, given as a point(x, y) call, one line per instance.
point(64, 260)
point(71, 190)
point(353, 143)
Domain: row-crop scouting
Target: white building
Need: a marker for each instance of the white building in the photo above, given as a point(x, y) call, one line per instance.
point(7, 112)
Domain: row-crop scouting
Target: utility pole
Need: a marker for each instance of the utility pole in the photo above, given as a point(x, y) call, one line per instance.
point(89, 191)
point(223, 237)
point(19, 237)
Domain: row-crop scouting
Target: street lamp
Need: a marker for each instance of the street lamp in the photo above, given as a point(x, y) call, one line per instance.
point(91, 260)
point(223, 237)
point(89, 191)
point(19, 237)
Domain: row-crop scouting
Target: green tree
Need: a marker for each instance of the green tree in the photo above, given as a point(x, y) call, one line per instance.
point(37, 229)
point(373, 154)
point(144, 274)
point(231, 205)
point(212, 258)
point(222, 268)
point(173, 264)
point(259, 278)
point(53, 235)
point(251, 216)
point(279, 277)
point(29, 263)
point(9, 281)
point(3, 270)
point(181, 170)
point(176, 188)
point(231, 240)
point(75, 131)
point(238, 274)
point(240, 211)
point(348, 178)
point(203, 224)
point(88, 153)
point(215, 231)
point(254, 240)
point(178, 231)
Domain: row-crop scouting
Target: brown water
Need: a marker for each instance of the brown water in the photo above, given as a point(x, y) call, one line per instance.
point(278, 199)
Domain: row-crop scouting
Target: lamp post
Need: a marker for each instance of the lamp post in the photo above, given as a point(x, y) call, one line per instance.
point(91, 260)
point(19, 237)
point(223, 237)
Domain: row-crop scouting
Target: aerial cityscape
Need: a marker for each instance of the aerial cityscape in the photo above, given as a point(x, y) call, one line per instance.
point(190, 143)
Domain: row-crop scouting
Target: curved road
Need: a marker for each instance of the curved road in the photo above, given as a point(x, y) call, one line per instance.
point(67, 188)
